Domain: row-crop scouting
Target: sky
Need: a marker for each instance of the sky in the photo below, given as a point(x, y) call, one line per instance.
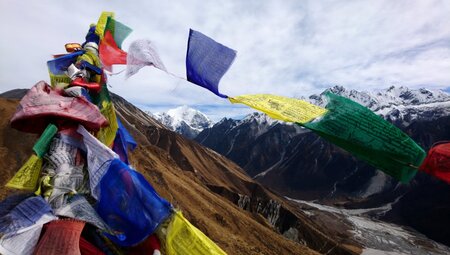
point(289, 48)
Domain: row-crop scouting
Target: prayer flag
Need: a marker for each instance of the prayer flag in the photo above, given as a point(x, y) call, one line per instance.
point(118, 30)
point(23, 215)
point(142, 53)
point(28, 175)
point(369, 137)
point(182, 238)
point(57, 67)
point(123, 142)
point(207, 61)
point(99, 157)
point(43, 105)
point(281, 108)
point(60, 237)
point(41, 146)
point(109, 53)
point(101, 23)
point(437, 162)
point(130, 205)
point(20, 228)
point(107, 134)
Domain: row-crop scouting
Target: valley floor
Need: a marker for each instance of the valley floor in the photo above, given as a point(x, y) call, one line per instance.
point(376, 236)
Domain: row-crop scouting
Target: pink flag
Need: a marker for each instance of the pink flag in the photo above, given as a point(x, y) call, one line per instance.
point(43, 105)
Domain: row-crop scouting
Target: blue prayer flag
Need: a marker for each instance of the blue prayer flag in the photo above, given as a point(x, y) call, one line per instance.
point(58, 66)
point(23, 215)
point(123, 142)
point(207, 61)
point(130, 205)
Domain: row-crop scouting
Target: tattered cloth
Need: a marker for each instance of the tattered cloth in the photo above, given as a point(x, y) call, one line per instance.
point(60, 237)
point(43, 105)
point(437, 162)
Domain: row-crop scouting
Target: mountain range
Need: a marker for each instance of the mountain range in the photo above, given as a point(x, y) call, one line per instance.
point(399, 105)
point(298, 164)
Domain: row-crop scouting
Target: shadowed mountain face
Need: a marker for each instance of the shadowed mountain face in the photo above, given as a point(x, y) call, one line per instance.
point(215, 194)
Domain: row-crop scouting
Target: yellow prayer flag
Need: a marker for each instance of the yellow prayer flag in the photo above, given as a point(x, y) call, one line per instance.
point(56, 79)
point(107, 134)
point(183, 238)
point(101, 23)
point(27, 176)
point(281, 108)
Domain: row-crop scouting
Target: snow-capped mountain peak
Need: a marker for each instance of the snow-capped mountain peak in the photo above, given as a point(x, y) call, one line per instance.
point(378, 100)
point(184, 120)
point(260, 118)
point(396, 103)
point(190, 116)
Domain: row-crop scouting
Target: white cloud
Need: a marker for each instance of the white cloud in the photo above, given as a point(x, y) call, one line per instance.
point(290, 48)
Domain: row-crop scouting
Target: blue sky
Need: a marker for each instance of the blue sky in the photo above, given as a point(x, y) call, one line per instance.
point(290, 48)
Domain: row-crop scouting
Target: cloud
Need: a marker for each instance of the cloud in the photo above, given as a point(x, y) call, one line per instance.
point(289, 48)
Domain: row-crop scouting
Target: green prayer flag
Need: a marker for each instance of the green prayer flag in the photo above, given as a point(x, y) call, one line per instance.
point(118, 30)
point(41, 146)
point(369, 137)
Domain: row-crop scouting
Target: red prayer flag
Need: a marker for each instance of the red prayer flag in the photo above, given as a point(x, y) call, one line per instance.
point(109, 52)
point(149, 246)
point(60, 237)
point(86, 248)
point(437, 162)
